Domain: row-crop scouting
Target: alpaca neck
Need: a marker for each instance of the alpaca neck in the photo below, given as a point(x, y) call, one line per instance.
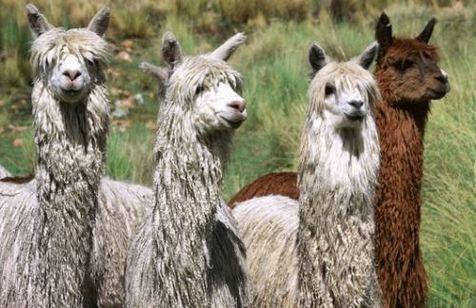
point(71, 141)
point(414, 114)
point(397, 198)
point(401, 127)
point(337, 174)
point(187, 180)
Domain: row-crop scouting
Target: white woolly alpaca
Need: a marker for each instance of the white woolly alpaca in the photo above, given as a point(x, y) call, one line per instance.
point(4, 172)
point(188, 253)
point(320, 251)
point(64, 235)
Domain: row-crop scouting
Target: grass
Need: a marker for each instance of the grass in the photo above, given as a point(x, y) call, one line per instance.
point(274, 64)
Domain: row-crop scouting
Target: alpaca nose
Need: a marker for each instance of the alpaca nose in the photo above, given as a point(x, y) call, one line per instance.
point(442, 78)
point(72, 74)
point(238, 105)
point(356, 104)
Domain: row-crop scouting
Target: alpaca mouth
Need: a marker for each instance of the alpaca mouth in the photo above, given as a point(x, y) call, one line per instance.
point(355, 116)
point(71, 91)
point(234, 121)
point(438, 93)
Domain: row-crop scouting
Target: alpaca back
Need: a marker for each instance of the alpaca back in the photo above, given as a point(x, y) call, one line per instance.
point(18, 220)
point(268, 227)
point(122, 209)
point(279, 183)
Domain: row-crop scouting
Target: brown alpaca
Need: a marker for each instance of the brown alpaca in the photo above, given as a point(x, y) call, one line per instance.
point(408, 77)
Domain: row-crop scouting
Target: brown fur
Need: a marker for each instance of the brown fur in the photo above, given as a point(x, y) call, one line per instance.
point(408, 77)
point(282, 183)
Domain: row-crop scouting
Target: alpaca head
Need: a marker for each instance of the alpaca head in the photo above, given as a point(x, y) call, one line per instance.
point(408, 68)
point(343, 93)
point(204, 87)
point(68, 62)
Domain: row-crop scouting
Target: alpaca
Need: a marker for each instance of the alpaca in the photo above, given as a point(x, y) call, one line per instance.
point(409, 77)
point(401, 118)
point(188, 253)
point(64, 234)
point(320, 251)
point(4, 172)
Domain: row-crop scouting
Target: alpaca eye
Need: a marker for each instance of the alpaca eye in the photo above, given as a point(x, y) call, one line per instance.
point(426, 55)
point(238, 89)
point(329, 90)
point(91, 62)
point(403, 64)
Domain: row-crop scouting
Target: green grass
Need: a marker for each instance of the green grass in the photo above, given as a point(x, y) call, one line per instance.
point(274, 65)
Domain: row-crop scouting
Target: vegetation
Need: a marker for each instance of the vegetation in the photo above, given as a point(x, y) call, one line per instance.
point(274, 64)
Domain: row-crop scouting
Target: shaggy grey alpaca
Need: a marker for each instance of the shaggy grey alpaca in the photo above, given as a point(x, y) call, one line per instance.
point(64, 235)
point(188, 254)
point(4, 172)
point(320, 251)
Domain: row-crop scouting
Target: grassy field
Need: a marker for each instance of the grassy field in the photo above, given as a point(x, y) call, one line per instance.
point(274, 64)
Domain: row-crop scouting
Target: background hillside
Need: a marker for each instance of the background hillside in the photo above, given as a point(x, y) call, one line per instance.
point(274, 64)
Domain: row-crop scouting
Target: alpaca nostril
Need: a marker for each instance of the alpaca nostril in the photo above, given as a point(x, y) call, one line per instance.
point(238, 105)
point(356, 104)
point(72, 75)
point(442, 78)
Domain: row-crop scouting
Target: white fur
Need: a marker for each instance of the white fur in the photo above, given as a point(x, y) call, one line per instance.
point(4, 172)
point(213, 110)
point(61, 81)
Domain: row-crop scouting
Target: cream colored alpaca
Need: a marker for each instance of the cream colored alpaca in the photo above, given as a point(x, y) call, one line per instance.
point(188, 253)
point(64, 235)
point(320, 252)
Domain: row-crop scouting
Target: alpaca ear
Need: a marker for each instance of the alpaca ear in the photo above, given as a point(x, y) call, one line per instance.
point(317, 58)
point(171, 51)
point(38, 23)
point(383, 35)
point(225, 51)
point(366, 58)
point(425, 35)
point(100, 21)
point(160, 73)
